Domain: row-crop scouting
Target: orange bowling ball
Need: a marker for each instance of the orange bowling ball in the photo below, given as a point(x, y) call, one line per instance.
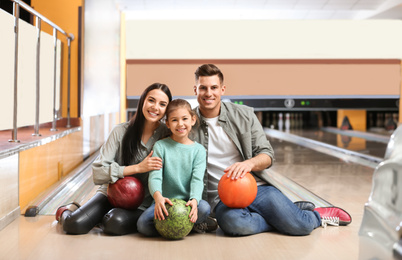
point(238, 193)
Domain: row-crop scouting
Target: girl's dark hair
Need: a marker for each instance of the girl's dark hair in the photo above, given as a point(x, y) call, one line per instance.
point(132, 138)
point(180, 103)
point(174, 104)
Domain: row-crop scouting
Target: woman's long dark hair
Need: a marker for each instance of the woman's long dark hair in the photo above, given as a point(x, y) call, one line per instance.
point(132, 137)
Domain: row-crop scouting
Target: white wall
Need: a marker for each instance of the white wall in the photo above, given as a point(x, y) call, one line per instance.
point(101, 88)
point(264, 39)
point(101, 93)
point(26, 81)
point(6, 69)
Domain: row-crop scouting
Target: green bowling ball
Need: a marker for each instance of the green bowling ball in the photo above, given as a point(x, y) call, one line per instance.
point(177, 225)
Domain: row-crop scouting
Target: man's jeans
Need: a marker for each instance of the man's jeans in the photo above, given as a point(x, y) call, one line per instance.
point(271, 210)
point(146, 226)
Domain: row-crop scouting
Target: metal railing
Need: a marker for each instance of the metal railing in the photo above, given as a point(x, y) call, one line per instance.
point(39, 18)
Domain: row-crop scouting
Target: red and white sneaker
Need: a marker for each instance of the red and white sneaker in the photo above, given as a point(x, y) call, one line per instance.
point(71, 207)
point(334, 216)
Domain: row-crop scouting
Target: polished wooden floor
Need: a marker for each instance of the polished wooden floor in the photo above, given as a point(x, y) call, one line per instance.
point(344, 184)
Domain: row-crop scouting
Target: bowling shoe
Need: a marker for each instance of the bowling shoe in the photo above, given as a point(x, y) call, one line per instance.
point(208, 225)
point(334, 216)
point(71, 207)
point(305, 205)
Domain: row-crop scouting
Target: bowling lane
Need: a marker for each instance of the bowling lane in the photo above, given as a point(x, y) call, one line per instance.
point(342, 183)
point(347, 148)
point(361, 144)
point(288, 153)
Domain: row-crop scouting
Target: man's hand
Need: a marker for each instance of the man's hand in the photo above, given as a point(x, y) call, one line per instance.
point(239, 169)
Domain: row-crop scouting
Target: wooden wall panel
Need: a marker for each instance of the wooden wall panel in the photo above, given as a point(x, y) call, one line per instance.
point(273, 77)
point(42, 166)
point(9, 185)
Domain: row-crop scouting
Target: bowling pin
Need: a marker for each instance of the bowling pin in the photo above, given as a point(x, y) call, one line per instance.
point(280, 121)
point(287, 122)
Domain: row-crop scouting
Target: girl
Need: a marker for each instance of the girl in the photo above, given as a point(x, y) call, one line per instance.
point(182, 175)
point(127, 151)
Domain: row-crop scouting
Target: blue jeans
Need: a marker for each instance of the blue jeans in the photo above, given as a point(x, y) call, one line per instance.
point(145, 224)
point(271, 210)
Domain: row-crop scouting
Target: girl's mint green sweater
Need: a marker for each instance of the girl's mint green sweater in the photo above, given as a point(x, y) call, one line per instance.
point(183, 170)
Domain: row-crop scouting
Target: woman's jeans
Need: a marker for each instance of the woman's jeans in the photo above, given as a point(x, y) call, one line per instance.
point(145, 224)
point(271, 210)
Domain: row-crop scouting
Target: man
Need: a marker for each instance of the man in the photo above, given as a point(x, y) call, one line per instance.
point(236, 144)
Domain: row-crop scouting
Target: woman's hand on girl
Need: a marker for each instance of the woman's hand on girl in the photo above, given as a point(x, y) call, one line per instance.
point(150, 163)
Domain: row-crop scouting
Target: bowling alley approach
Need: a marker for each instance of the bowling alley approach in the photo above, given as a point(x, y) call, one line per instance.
point(186, 129)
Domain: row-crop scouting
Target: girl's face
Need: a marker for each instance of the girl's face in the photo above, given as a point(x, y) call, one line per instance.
point(180, 123)
point(155, 104)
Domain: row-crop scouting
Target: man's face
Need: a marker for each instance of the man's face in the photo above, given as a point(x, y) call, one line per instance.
point(209, 90)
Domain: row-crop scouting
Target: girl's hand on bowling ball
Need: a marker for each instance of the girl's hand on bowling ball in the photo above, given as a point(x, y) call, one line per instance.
point(150, 163)
point(238, 170)
point(194, 211)
point(160, 209)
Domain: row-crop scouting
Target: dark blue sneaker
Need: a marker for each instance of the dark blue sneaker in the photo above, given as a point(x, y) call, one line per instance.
point(305, 205)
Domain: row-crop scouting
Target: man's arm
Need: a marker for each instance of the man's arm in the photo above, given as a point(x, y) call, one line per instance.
point(261, 155)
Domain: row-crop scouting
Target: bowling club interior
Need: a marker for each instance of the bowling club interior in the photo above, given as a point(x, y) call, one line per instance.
point(323, 76)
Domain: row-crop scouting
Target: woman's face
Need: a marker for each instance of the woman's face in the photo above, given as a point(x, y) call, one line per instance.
point(155, 104)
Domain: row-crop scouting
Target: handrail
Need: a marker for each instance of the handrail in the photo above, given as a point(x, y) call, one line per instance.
point(70, 37)
point(43, 18)
point(38, 30)
point(16, 12)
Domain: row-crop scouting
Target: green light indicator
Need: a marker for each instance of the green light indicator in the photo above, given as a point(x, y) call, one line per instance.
point(241, 102)
point(307, 103)
point(302, 103)
point(236, 102)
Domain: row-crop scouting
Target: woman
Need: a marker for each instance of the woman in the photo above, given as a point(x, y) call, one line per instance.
point(128, 151)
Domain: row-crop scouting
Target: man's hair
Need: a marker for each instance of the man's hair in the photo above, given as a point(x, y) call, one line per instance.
point(208, 70)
